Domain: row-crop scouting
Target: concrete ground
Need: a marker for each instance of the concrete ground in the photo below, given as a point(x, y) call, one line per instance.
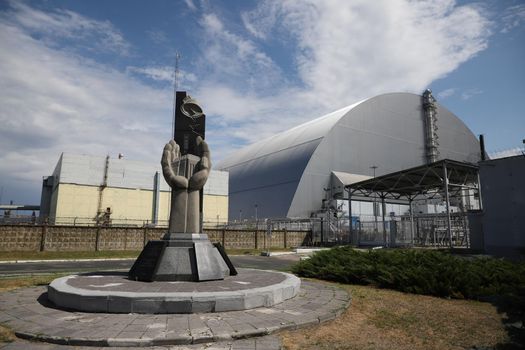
point(32, 317)
point(311, 307)
point(269, 342)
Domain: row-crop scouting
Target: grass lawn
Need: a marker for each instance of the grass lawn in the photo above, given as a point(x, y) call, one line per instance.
point(387, 319)
point(9, 283)
point(6, 335)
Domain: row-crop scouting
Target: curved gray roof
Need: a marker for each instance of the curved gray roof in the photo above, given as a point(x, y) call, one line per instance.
point(304, 133)
point(285, 174)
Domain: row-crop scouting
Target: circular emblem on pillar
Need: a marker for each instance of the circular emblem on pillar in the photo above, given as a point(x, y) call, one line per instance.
point(190, 108)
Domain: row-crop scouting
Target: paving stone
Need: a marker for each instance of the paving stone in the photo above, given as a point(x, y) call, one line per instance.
point(135, 328)
point(5, 317)
point(244, 344)
point(239, 326)
point(261, 343)
point(316, 302)
point(24, 346)
point(218, 325)
point(177, 321)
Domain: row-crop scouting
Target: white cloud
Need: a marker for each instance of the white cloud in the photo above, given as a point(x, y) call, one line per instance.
point(64, 24)
point(260, 21)
point(512, 17)
point(344, 51)
point(465, 95)
point(164, 73)
point(158, 36)
point(54, 101)
point(517, 151)
point(352, 50)
point(155, 73)
point(228, 54)
point(191, 5)
point(469, 93)
point(446, 93)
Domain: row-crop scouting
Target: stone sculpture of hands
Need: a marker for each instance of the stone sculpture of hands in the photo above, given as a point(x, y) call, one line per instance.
point(202, 168)
point(169, 156)
point(185, 198)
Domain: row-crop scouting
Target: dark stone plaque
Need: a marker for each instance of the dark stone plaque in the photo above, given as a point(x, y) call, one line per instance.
point(220, 248)
point(189, 123)
point(144, 267)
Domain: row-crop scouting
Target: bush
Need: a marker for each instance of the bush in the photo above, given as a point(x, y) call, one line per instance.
point(417, 271)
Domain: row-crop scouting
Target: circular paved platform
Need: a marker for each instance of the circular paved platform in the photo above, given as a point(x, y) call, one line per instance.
point(30, 314)
point(115, 293)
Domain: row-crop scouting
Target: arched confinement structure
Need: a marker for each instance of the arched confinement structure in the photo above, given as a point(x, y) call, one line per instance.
point(286, 174)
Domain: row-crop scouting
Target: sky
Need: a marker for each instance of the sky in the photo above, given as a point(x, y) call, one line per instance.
point(96, 77)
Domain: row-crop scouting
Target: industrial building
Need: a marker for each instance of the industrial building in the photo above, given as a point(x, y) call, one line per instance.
point(89, 190)
point(395, 169)
point(499, 226)
point(297, 172)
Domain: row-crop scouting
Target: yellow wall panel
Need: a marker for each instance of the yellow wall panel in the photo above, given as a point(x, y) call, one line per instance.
point(164, 207)
point(128, 206)
point(215, 209)
point(74, 201)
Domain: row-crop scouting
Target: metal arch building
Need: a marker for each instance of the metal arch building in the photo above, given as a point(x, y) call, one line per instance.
point(286, 175)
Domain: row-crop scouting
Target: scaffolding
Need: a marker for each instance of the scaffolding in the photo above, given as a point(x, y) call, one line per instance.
point(446, 180)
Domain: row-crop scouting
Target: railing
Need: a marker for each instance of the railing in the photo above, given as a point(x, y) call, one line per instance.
point(261, 225)
point(80, 221)
point(424, 230)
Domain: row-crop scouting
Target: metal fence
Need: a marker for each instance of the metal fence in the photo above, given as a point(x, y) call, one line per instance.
point(272, 224)
point(79, 221)
point(261, 225)
point(424, 230)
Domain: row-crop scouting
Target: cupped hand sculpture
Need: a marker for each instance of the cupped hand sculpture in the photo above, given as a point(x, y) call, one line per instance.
point(184, 213)
point(171, 155)
point(202, 169)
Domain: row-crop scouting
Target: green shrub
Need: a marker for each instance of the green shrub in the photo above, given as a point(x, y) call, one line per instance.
point(417, 271)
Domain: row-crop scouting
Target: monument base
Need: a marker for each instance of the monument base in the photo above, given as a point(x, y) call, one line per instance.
point(115, 293)
point(181, 257)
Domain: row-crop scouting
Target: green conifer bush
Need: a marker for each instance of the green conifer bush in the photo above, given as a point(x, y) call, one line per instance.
point(417, 271)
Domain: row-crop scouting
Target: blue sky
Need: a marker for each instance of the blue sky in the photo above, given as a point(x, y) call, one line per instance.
point(95, 77)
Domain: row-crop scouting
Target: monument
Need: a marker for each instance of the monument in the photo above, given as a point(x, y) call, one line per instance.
point(185, 253)
point(183, 272)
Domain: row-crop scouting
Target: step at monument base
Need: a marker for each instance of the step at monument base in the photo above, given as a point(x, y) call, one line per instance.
point(181, 257)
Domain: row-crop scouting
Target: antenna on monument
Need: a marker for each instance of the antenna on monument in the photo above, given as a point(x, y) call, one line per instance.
point(176, 75)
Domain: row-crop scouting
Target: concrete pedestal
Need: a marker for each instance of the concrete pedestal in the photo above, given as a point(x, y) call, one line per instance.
point(181, 257)
point(114, 293)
